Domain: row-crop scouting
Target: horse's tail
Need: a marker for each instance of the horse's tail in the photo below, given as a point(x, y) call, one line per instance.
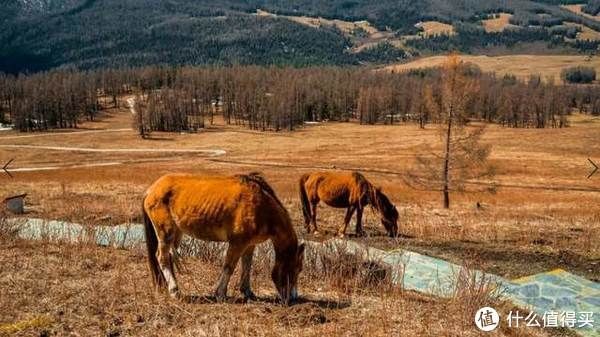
point(152, 245)
point(304, 198)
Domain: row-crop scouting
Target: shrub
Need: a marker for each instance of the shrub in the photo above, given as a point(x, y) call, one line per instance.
point(579, 74)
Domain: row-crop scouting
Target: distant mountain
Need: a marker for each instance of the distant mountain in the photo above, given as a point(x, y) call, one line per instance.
point(43, 34)
point(45, 6)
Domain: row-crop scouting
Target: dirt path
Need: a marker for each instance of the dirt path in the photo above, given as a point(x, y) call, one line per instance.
point(207, 152)
point(116, 150)
point(50, 134)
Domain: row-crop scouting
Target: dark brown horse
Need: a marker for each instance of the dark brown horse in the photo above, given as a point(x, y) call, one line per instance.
point(345, 190)
point(242, 210)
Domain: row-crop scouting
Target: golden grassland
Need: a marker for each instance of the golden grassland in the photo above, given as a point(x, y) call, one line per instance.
point(586, 33)
point(497, 24)
point(368, 37)
point(431, 28)
point(346, 27)
point(544, 214)
point(577, 10)
point(52, 289)
point(521, 66)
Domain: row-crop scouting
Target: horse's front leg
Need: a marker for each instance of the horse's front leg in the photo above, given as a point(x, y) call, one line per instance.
point(245, 287)
point(234, 251)
point(359, 229)
point(349, 213)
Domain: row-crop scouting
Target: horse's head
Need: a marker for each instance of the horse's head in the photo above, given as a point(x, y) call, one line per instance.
point(389, 213)
point(288, 266)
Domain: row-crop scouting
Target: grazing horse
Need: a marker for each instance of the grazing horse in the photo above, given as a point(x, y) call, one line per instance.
point(345, 190)
point(242, 210)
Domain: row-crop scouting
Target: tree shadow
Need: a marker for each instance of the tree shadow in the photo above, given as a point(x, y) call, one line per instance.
point(322, 303)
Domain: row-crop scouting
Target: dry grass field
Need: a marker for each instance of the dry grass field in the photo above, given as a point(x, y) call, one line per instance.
point(368, 37)
point(586, 33)
point(521, 66)
point(64, 290)
point(577, 10)
point(431, 28)
point(545, 214)
point(497, 24)
point(316, 22)
point(545, 211)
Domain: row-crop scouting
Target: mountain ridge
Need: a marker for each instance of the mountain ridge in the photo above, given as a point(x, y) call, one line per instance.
point(85, 34)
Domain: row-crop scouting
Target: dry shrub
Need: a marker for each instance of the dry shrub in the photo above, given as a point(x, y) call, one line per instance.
point(475, 290)
point(346, 272)
point(7, 231)
point(206, 251)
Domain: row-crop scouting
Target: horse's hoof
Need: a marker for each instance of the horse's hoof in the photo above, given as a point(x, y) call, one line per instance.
point(249, 295)
point(174, 293)
point(341, 235)
point(361, 234)
point(220, 297)
point(316, 233)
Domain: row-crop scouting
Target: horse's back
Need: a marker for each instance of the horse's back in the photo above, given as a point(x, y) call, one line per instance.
point(213, 208)
point(337, 189)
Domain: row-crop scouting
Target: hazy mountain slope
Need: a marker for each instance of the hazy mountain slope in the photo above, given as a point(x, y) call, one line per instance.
point(115, 32)
point(42, 34)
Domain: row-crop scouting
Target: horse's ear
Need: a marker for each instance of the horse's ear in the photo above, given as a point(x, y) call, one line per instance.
point(378, 188)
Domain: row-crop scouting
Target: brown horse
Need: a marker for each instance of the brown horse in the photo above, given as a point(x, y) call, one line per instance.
point(345, 190)
point(242, 210)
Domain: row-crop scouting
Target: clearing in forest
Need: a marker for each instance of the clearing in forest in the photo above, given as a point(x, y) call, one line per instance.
point(577, 9)
point(521, 66)
point(498, 23)
point(432, 28)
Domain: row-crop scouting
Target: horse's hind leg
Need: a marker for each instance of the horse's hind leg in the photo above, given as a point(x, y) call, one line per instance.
point(245, 287)
point(168, 236)
point(349, 213)
point(231, 259)
point(314, 206)
point(166, 244)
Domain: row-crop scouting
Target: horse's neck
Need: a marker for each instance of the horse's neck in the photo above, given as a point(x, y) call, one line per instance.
point(284, 240)
point(373, 200)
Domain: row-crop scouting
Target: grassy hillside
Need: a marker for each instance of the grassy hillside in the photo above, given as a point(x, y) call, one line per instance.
point(522, 66)
point(43, 34)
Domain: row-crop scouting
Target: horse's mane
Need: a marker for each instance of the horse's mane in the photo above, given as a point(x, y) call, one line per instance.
point(258, 179)
point(361, 180)
point(378, 201)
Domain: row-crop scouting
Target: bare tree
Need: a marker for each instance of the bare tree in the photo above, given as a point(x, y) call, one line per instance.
point(462, 157)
